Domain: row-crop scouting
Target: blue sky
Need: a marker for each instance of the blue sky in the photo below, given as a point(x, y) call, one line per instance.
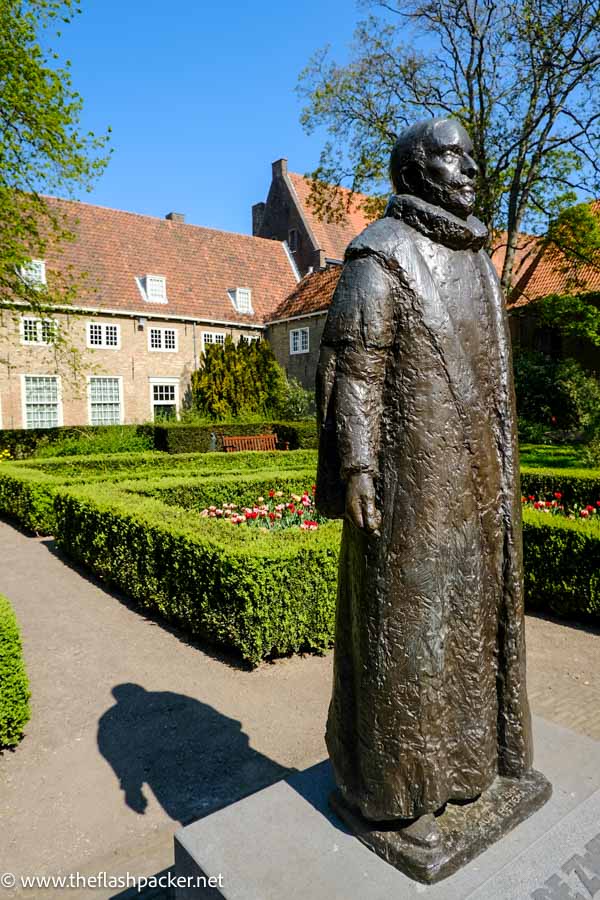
point(200, 97)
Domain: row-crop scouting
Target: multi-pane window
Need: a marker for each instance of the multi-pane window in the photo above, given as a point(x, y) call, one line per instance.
point(105, 400)
point(299, 342)
point(34, 272)
point(156, 288)
point(37, 331)
point(243, 300)
point(213, 337)
point(101, 334)
point(164, 398)
point(41, 401)
point(162, 339)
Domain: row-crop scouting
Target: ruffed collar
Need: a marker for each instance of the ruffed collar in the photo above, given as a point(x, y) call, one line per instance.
point(437, 223)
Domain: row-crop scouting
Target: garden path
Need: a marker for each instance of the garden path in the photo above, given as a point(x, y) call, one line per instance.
point(134, 730)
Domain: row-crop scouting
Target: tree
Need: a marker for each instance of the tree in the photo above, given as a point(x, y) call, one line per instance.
point(235, 379)
point(42, 146)
point(523, 77)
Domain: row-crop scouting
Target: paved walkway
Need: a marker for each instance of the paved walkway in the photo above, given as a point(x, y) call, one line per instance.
point(135, 731)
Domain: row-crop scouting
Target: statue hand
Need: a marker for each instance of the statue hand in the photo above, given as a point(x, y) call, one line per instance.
point(360, 502)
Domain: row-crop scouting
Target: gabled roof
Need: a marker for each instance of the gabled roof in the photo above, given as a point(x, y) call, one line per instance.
point(200, 265)
point(331, 237)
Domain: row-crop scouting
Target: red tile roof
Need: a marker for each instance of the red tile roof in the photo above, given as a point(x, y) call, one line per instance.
point(312, 295)
point(200, 265)
point(331, 237)
point(550, 275)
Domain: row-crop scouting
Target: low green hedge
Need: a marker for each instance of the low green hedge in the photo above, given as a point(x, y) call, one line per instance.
point(14, 687)
point(176, 438)
point(562, 565)
point(579, 486)
point(261, 594)
point(28, 498)
point(241, 489)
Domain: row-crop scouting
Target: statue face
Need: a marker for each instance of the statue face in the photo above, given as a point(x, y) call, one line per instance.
point(448, 170)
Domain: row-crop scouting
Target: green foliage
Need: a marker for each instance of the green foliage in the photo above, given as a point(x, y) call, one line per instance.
point(298, 402)
point(572, 243)
point(235, 378)
point(554, 393)
point(573, 315)
point(522, 77)
point(42, 145)
point(562, 565)
point(14, 687)
point(108, 439)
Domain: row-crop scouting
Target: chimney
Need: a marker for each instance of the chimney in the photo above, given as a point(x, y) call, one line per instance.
point(279, 167)
point(175, 217)
point(258, 215)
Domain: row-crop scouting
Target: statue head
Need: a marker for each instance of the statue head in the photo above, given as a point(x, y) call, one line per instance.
point(433, 160)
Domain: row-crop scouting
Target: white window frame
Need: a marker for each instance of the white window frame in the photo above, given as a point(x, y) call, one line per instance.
point(119, 379)
point(213, 335)
point(103, 345)
point(238, 294)
point(301, 349)
point(29, 272)
point(156, 380)
point(162, 348)
point(59, 403)
point(39, 322)
point(158, 280)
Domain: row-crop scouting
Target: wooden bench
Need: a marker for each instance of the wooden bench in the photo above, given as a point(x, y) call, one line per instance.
point(253, 442)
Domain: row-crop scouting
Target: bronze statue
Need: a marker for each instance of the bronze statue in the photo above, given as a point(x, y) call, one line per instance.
point(429, 729)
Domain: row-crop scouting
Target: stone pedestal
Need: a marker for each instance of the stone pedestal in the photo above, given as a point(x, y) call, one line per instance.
point(285, 843)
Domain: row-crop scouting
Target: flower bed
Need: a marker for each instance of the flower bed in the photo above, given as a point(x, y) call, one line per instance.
point(556, 507)
point(272, 514)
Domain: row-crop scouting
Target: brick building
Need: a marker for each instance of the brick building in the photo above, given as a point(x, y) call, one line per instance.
point(151, 294)
point(296, 326)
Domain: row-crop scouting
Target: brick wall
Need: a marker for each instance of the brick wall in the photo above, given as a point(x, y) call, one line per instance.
point(302, 366)
point(133, 362)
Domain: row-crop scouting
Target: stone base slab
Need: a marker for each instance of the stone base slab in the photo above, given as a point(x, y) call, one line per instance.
point(466, 830)
point(285, 843)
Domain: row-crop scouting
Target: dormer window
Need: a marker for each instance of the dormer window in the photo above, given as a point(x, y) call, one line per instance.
point(293, 239)
point(243, 300)
point(34, 272)
point(155, 288)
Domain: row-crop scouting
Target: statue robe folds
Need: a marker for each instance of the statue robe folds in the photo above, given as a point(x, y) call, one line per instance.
point(415, 387)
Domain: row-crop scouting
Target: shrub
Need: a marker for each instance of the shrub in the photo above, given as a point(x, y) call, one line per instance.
point(298, 402)
point(235, 377)
point(562, 565)
point(14, 687)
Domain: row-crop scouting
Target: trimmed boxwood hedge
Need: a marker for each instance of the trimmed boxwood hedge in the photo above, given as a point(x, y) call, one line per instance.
point(136, 526)
point(579, 486)
point(14, 687)
point(562, 565)
point(242, 489)
point(175, 438)
point(261, 594)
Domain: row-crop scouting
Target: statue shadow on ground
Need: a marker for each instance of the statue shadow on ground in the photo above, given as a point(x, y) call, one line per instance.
point(192, 758)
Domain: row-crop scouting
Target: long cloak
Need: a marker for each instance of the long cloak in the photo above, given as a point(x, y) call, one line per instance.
point(414, 386)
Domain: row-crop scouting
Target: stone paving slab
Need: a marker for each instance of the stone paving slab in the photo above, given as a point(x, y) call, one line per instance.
point(284, 843)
